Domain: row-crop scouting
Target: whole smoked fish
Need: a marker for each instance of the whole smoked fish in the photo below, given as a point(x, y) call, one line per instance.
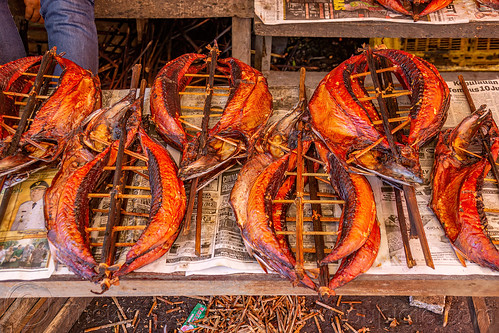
point(168, 205)
point(457, 184)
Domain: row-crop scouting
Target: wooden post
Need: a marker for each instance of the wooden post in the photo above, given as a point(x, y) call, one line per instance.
point(263, 47)
point(241, 39)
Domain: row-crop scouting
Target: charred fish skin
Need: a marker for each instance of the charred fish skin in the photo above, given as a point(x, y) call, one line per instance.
point(430, 96)
point(168, 205)
point(11, 79)
point(259, 233)
point(359, 212)
point(246, 112)
point(165, 99)
point(394, 5)
point(78, 95)
point(342, 121)
point(457, 183)
point(346, 125)
point(433, 6)
point(66, 230)
point(473, 240)
point(358, 262)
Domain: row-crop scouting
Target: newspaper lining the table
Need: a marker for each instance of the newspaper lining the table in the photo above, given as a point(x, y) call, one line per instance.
point(222, 249)
point(308, 11)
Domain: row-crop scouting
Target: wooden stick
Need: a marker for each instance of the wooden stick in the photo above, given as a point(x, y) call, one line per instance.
point(10, 93)
point(329, 307)
point(199, 94)
point(286, 149)
point(363, 99)
point(300, 185)
point(313, 185)
point(323, 219)
point(120, 309)
point(311, 201)
point(15, 117)
point(312, 233)
point(207, 75)
point(126, 168)
point(377, 142)
point(199, 218)
point(307, 174)
point(117, 228)
point(391, 120)
point(123, 212)
point(200, 116)
point(216, 136)
point(203, 87)
point(46, 75)
point(108, 325)
point(200, 108)
point(413, 212)
point(388, 69)
point(127, 151)
point(122, 196)
point(130, 187)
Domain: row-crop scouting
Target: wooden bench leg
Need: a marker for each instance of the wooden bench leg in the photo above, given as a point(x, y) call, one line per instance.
point(241, 39)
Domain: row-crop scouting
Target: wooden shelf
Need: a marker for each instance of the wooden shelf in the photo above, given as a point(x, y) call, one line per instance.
point(173, 9)
point(379, 29)
point(147, 284)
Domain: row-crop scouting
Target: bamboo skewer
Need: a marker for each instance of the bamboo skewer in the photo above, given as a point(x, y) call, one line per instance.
point(123, 212)
point(392, 105)
point(305, 233)
point(127, 151)
point(123, 196)
point(377, 142)
point(207, 75)
point(391, 120)
point(216, 136)
point(310, 201)
point(300, 186)
point(9, 93)
point(388, 69)
point(199, 94)
point(46, 75)
point(118, 228)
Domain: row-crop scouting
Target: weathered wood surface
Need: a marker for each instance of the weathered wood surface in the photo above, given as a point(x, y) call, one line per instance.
point(378, 29)
point(69, 313)
point(141, 284)
point(173, 8)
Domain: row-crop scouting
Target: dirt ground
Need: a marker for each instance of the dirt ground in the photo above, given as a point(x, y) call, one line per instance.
point(362, 314)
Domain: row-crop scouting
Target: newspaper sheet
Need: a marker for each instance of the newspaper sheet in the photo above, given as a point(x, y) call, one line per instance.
point(222, 249)
point(24, 249)
point(303, 11)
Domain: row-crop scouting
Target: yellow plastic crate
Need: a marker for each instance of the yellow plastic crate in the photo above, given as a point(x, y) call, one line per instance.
point(450, 54)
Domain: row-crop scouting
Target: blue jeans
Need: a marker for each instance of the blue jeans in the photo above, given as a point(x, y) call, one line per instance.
point(11, 45)
point(71, 28)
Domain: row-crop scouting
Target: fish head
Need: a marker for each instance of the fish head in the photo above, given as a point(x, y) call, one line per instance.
point(464, 134)
point(384, 164)
point(282, 133)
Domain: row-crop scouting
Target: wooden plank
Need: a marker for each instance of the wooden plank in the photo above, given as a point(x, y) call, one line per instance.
point(241, 39)
point(149, 284)
point(32, 312)
point(42, 318)
point(5, 304)
point(173, 8)
point(378, 29)
point(68, 314)
point(15, 313)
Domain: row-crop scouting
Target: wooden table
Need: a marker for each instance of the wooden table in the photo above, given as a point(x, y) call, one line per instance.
point(284, 87)
point(363, 29)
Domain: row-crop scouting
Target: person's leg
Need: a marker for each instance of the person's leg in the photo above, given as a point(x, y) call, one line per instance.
point(71, 28)
point(11, 45)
